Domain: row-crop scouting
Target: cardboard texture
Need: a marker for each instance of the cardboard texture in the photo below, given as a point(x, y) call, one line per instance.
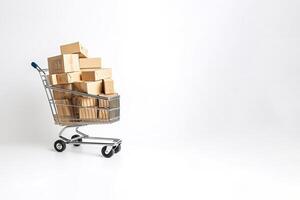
point(74, 48)
point(108, 86)
point(89, 113)
point(64, 110)
point(57, 95)
point(95, 75)
point(63, 63)
point(94, 88)
point(88, 69)
point(105, 103)
point(84, 101)
point(90, 63)
point(103, 114)
point(52, 79)
point(66, 78)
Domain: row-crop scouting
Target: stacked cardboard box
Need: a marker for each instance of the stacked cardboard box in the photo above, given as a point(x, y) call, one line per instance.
point(74, 70)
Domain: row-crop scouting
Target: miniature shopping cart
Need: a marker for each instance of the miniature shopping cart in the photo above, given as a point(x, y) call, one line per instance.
point(83, 109)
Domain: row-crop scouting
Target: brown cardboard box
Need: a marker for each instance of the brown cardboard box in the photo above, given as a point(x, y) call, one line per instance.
point(103, 114)
point(64, 110)
point(94, 88)
point(52, 79)
point(57, 95)
point(106, 103)
point(89, 113)
point(65, 78)
point(95, 75)
point(75, 48)
point(108, 86)
point(63, 63)
point(84, 101)
point(90, 63)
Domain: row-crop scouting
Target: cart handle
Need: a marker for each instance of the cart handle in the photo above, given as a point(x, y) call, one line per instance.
point(37, 67)
point(34, 65)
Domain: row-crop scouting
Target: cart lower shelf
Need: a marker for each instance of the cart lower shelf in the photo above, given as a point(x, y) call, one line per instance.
point(110, 145)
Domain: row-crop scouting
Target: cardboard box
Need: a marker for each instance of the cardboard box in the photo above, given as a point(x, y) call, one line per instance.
point(94, 88)
point(95, 75)
point(103, 114)
point(63, 63)
point(84, 101)
point(108, 85)
point(106, 103)
point(89, 113)
point(64, 110)
point(52, 79)
point(57, 95)
point(66, 78)
point(90, 63)
point(74, 48)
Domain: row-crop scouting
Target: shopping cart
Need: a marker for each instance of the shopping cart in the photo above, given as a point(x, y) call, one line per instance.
point(82, 110)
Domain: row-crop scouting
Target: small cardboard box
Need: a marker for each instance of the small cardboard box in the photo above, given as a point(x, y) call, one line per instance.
point(90, 63)
point(52, 79)
point(103, 114)
point(95, 75)
point(84, 101)
point(58, 95)
point(94, 88)
point(64, 109)
point(63, 63)
point(108, 86)
point(107, 103)
point(66, 78)
point(89, 113)
point(74, 48)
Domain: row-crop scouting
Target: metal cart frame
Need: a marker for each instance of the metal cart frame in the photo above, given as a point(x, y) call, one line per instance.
point(110, 145)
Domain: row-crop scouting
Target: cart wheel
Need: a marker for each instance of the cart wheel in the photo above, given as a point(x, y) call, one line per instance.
point(118, 148)
point(107, 155)
point(79, 140)
point(59, 145)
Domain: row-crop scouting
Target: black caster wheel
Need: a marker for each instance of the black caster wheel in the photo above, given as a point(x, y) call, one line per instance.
point(79, 140)
point(117, 148)
point(59, 145)
point(109, 154)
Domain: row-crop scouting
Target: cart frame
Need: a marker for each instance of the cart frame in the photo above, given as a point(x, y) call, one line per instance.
point(110, 145)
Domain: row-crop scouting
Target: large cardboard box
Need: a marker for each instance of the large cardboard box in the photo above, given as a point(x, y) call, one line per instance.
point(64, 110)
point(108, 85)
point(88, 113)
point(58, 95)
point(95, 75)
point(74, 48)
point(94, 88)
point(90, 63)
point(106, 102)
point(63, 63)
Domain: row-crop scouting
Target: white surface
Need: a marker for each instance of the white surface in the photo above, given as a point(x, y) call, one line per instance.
point(210, 99)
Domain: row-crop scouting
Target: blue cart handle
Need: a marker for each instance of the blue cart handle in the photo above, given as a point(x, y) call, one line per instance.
point(34, 65)
point(37, 67)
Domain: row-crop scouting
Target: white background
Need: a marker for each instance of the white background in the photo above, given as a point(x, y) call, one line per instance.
point(209, 99)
